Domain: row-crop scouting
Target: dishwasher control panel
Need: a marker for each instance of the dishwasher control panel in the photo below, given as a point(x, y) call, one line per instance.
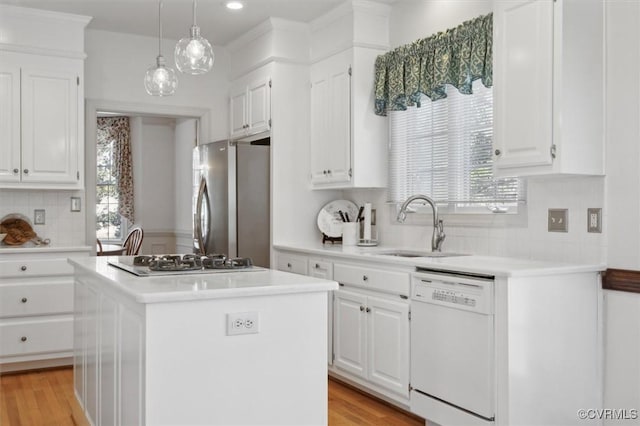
point(461, 293)
point(453, 297)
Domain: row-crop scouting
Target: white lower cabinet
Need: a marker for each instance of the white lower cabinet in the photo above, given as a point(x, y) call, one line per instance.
point(371, 338)
point(36, 309)
point(292, 263)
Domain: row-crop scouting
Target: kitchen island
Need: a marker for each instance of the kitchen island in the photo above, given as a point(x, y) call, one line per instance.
point(221, 348)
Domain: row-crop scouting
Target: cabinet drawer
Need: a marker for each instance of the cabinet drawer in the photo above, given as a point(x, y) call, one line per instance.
point(35, 267)
point(374, 279)
point(30, 337)
point(36, 299)
point(295, 264)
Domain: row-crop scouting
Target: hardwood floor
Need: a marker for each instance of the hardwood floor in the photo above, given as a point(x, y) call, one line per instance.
point(39, 398)
point(46, 397)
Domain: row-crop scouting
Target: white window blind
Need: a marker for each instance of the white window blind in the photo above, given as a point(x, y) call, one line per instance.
point(443, 149)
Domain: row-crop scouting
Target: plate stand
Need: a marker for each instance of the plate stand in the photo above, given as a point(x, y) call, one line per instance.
point(332, 240)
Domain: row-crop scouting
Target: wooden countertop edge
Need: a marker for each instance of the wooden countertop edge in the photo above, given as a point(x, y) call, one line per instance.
point(621, 280)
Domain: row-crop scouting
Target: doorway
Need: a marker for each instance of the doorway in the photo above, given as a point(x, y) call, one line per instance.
point(160, 145)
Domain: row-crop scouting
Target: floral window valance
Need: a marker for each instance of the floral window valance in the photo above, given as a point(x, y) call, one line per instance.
point(458, 57)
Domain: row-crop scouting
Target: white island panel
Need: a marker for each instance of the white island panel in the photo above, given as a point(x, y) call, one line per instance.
point(156, 350)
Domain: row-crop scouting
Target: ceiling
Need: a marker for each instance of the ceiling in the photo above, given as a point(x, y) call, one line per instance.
point(218, 24)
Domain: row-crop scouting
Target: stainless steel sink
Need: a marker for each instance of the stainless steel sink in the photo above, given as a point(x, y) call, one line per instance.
point(410, 253)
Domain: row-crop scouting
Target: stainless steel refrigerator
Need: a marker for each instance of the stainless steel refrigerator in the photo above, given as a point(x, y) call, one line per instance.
point(231, 199)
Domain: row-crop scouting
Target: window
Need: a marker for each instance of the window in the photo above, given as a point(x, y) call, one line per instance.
point(443, 149)
point(109, 223)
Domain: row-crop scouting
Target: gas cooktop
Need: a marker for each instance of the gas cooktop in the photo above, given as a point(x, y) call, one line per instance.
point(181, 264)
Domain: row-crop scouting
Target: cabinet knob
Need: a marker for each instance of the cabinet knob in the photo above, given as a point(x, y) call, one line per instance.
point(317, 266)
point(23, 300)
point(16, 171)
point(23, 339)
point(23, 268)
point(368, 309)
point(365, 278)
point(361, 308)
point(324, 172)
point(288, 265)
point(25, 171)
point(497, 152)
point(329, 171)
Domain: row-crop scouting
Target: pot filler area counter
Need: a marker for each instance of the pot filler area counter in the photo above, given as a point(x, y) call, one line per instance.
point(230, 348)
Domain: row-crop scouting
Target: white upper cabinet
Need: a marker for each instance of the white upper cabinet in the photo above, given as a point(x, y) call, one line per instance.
point(548, 87)
point(330, 120)
point(9, 123)
point(41, 99)
point(250, 107)
point(348, 142)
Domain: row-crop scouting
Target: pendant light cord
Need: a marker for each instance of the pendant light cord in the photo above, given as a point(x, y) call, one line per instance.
point(194, 13)
point(160, 28)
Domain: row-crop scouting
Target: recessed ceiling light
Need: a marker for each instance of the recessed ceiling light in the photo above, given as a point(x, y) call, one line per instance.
point(234, 5)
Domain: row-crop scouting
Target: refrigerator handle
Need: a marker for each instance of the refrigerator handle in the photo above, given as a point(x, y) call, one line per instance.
point(202, 191)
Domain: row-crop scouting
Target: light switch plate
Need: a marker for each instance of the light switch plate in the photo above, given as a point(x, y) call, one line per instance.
point(594, 220)
point(558, 220)
point(38, 217)
point(75, 204)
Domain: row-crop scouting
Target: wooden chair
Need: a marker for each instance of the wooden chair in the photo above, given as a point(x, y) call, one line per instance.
point(99, 244)
point(133, 242)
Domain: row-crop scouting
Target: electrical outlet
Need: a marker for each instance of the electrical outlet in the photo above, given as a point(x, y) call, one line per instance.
point(243, 323)
point(558, 220)
point(38, 217)
point(594, 220)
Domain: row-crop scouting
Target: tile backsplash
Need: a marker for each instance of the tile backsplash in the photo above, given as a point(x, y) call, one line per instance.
point(62, 226)
point(523, 237)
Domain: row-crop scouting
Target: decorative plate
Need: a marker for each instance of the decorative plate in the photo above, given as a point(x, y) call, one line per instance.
point(329, 220)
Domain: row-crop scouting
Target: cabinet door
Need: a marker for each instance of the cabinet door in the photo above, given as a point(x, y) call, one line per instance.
point(523, 76)
point(237, 112)
point(388, 344)
point(339, 143)
point(331, 121)
point(9, 123)
point(350, 332)
point(258, 106)
point(49, 126)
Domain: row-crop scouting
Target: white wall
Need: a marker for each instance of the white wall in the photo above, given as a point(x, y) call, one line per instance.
point(525, 236)
point(62, 226)
point(622, 310)
point(185, 138)
point(115, 68)
point(153, 152)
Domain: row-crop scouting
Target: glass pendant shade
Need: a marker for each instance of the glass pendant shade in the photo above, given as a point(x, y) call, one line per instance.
point(160, 80)
point(194, 54)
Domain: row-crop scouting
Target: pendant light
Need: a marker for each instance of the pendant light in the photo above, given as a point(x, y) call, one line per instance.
point(194, 54)
point(160, 80)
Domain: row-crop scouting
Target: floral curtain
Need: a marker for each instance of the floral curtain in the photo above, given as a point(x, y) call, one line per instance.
point(458, 56)
point(117, 129)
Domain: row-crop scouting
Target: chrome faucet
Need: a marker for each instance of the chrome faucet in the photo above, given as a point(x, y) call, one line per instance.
point(438, 226)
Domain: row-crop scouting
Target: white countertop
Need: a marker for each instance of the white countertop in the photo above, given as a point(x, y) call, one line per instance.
point(487, 265)
point(174, 288)
point(32, 248)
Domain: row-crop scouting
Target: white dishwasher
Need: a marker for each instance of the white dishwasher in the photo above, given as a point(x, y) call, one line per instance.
point(452, 348)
